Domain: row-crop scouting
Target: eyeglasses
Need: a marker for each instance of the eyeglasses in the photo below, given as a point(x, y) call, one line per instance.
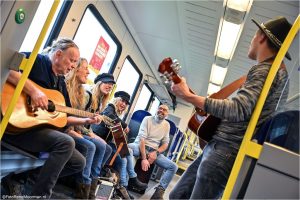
point(163, 109)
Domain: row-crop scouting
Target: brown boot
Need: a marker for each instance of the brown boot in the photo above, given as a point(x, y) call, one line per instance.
point(82, 191)
point(94, 185)
point(159, 193)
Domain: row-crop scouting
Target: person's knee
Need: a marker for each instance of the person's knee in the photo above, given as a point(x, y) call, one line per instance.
point(108, 149)
point(92, 147)
point(66, 143)
point(173, 167)
point(80, 161)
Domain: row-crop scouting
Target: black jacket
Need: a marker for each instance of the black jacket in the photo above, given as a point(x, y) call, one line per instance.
point(101, 129)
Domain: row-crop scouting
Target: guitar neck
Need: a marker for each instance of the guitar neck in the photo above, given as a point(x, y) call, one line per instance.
point(73, 111)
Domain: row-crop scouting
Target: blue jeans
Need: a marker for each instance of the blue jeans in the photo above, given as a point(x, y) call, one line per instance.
point(207, 176)
point(63, 158)
point(160, 161)
point(127, 166)
point(95, 151)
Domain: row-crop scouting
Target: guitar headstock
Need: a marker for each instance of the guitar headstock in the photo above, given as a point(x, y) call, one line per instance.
point(169, 70)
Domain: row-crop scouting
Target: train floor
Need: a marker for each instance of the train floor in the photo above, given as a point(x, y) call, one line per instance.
point(151, 189)
point(61, 191)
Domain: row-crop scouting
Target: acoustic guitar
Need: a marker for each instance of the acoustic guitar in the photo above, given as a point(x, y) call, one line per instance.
point(201, 123)
point(120, 139)
point(24, 118)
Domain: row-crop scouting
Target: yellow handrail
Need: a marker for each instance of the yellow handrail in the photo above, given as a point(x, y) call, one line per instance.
point(28, 65)
point(246, 143)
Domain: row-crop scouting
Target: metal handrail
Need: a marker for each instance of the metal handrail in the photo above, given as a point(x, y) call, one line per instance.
point(28, 63)
point(248, 147)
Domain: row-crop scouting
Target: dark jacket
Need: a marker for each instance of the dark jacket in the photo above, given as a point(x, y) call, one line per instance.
point(101, 129)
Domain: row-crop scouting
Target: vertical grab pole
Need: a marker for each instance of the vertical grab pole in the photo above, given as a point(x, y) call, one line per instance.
point(27, 68)
point(258, 108)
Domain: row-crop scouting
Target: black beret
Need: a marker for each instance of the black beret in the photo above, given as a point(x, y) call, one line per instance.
point(105, 78)
point(123, 95)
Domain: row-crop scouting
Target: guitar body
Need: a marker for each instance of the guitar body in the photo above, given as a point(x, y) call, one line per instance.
point(22, 118)
point(120, 138)
point(204, 127)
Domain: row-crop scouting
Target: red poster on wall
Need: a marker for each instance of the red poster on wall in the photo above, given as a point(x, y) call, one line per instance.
point(99, 54)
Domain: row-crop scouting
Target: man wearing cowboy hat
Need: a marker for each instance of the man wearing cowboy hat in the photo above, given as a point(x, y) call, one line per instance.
point(207, 176)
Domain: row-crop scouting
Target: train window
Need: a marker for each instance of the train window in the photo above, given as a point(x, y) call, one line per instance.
point(129, 78)
point(144, 98)
point(37, 25)
point(154, 106)
point(97, 43)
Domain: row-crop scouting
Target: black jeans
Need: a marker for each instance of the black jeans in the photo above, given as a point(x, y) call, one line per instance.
point(63, 158)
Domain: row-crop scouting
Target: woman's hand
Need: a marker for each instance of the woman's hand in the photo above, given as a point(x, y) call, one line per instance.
point(97, 119)
point(126, 130)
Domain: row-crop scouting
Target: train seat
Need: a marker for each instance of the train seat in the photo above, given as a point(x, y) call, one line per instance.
point(176, 145)
point(16, 160)
point(265, 177)
point(135, 123)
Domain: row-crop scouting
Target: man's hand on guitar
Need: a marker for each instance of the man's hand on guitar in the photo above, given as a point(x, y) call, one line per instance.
point(38, 100)
point(181, 89)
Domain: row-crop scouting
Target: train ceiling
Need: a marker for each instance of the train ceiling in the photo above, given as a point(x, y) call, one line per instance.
point(188, 30)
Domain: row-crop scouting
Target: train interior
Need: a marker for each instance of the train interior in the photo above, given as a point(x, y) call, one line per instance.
point(133, 37)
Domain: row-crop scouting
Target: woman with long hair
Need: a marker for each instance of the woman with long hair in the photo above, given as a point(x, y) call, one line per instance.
point(116, 110)
point(94, 148)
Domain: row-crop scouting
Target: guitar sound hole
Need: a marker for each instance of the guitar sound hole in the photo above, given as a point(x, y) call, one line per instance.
point(51, 106)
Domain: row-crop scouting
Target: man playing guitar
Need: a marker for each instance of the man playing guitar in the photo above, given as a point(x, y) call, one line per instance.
point(47, 72)
point(207, 176)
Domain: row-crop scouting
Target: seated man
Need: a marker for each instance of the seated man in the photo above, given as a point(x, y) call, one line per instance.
point(151, 142)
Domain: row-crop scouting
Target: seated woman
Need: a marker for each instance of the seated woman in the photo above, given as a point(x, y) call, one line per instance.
point(115, 110)
point(94, 148)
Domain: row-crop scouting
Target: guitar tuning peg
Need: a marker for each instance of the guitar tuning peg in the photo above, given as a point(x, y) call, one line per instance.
point(177, 68)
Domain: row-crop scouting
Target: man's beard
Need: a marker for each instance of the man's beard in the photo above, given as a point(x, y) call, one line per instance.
point(160, 116)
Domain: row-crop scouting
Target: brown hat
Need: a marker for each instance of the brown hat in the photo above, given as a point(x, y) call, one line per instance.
point(276, 30)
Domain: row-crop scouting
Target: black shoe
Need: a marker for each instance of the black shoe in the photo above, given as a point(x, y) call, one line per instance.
point(134, 183)
point(14, 187)
point(159, 193)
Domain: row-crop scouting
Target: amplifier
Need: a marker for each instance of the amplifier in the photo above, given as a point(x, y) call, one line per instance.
point(105, 190)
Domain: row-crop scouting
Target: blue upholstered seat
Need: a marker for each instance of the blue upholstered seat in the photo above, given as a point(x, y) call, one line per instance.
point(281, 130)
point(135, 123)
